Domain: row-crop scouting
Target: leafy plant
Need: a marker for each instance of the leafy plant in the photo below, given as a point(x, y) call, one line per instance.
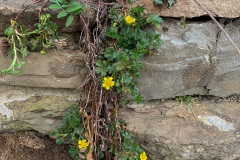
point(188, 100)
point(68, 8)
point(71, 131)
point(130, 42)
point(21, 40)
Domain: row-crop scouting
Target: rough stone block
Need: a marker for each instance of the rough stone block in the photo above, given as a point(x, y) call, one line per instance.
point(226, 77)
point(189, 8)
point(170, 131)
point(39, 109)
point(63, 69)
point(182, 65)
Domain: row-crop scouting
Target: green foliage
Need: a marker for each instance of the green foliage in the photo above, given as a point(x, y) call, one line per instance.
point(130, 149)
point(67, 7)
point(160, 2)
point(71, 130)
point(122, 59)
point(188, 100)
point(21, 40)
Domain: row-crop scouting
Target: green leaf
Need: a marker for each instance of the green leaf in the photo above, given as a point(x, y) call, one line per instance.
point(130, 1)
point(69, 20)
point(62, 14)
point(61, 1)
point(78, 130)
point(20, 64)
point(9, 31)
point(59, 141)
point(74, 8)
point(77, 11)
point(171, 2)
point(55, 6)
point(73, 151)
point(157, 2)
point(53, 1)
point(15, 72)
point(154, 19)
point(5, 71)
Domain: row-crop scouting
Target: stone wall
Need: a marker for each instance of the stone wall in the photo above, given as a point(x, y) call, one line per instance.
point(196, 59)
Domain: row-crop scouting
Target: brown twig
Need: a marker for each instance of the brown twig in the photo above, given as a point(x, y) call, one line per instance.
point(219, 25)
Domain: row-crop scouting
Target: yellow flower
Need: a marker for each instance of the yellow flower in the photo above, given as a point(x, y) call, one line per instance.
point(143, 156)
point(130, 19)
point(82, 144)
point(108, 82)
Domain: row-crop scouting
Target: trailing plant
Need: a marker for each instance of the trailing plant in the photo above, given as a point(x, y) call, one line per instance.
point(112, 74)
point(130, 41)
point(21, 40)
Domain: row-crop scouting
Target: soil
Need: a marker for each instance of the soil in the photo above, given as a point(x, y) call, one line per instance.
point(30, 145)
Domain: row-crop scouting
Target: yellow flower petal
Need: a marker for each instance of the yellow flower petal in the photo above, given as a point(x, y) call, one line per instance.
point(82, 144)
point(143, 156)
point(108, 82)
point(130, 19)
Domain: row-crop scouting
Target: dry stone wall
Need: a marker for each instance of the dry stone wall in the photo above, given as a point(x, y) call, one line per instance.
point(196, 59)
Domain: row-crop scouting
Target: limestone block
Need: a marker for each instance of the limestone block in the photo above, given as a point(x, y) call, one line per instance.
point(10, 8)
point(170, 131)
point(226, 77)
point(189, 8)
point(39, 109)
point(56, 69)
point(182, 65)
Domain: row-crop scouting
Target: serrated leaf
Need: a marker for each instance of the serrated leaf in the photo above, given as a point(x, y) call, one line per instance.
point(74, 8)
point(69, 20)
point(20, 64)
point(55, 6)
point(62, 14)
point(154, 19)
point(171, 2)
point(59, 141)
point(157, 2)
point(53, 1)
point(15, 72)
point(5, 71)
point(78, 131)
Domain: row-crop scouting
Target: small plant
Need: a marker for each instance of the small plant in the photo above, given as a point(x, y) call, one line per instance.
point(72, 131)
point(21, 40)
point(130, 41)
point(188, 100)
point(67, 7)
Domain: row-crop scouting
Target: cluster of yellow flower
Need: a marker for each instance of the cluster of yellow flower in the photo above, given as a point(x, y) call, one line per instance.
point(84, 144)
point(107, 84)
point(108, 81)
